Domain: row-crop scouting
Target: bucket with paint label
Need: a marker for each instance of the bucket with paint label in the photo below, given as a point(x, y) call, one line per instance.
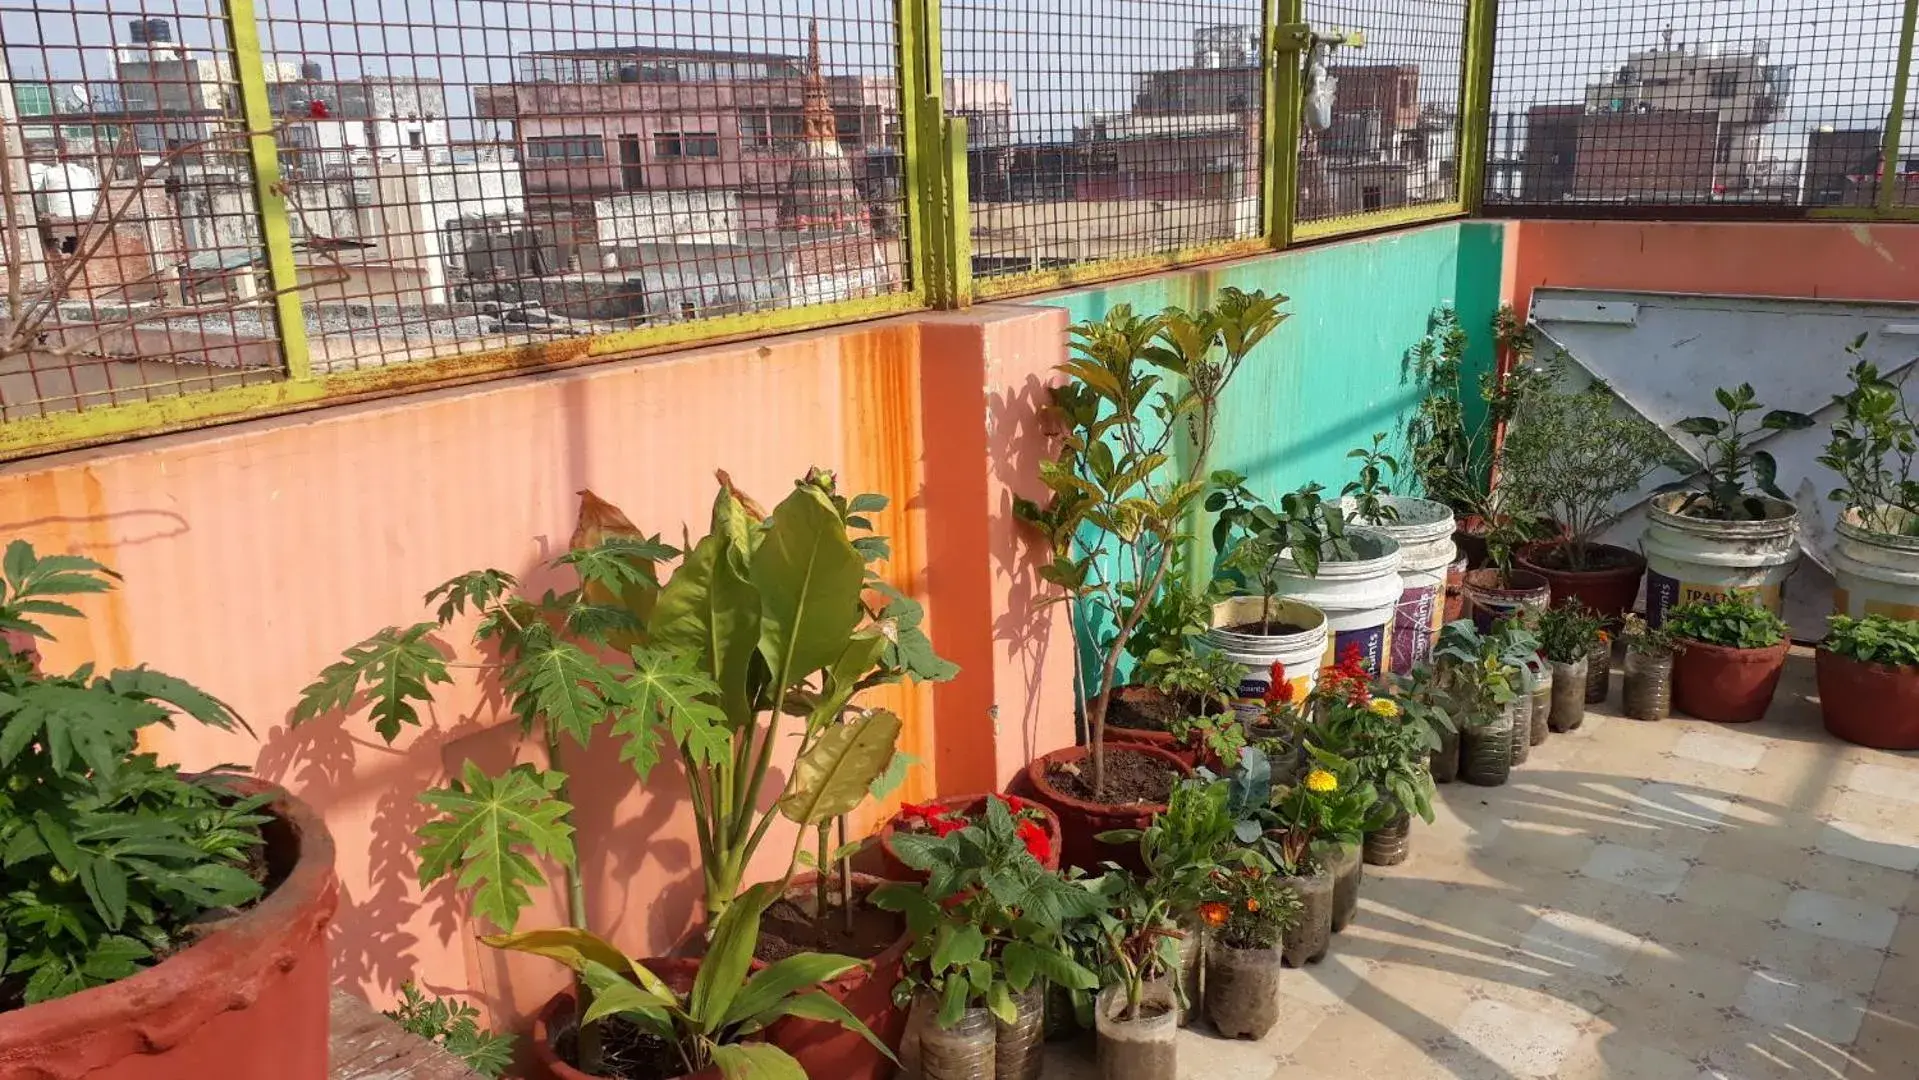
point(1360, 596)
point(1692, 558)
point(1424, 531)
point(1249, 634)
point(1874, 573)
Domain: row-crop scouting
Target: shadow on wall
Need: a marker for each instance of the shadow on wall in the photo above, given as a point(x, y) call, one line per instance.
point(1018, 439)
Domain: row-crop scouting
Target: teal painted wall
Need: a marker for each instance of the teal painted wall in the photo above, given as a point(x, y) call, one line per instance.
point(1336, 371)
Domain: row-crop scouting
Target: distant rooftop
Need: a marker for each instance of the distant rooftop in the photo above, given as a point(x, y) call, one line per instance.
point(654, 52)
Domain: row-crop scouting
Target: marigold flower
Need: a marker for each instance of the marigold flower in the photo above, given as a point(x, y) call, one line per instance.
point(1214, 914)
point(1385, 707)
point(1252, 904)
point(1321, 781)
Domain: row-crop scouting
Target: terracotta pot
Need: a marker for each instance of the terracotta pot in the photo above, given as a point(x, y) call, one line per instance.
point(1870, 704)
point(555, 1020)
point(1728, 686)
point(1389, 844)
point(247, 1002)
point(827, 1049)
point(1164, 740)
point(1611, 592)
point(1081, 822)
point(892, 869)
point(1470, 539)
point(1488, 598)
point(1455, 607)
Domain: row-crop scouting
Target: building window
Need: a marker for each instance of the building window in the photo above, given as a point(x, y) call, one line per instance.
point(686, 144)
point(414, 139)
point(1724, 156)
point(566, 148)
point(1724, 84)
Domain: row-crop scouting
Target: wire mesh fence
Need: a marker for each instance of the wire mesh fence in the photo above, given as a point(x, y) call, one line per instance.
point(133, 260)
point(1380, 127)
point(1106, 129)
point(1769, 104)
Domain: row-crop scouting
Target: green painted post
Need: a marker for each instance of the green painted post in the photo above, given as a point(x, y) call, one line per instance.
point(936, 235)
point(1285, 52)
point(283, 276)
point(1896, 119)
point(959, 215)
point(1476, 102)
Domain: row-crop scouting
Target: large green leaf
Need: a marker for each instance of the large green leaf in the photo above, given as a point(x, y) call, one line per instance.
point(821, 1006)
point(395, 666)
point(729, 955)
point(834, 774)
point(809, 580)
point(578, 949)
point(709, 610)
point(769, 987)
point(756, 1061)
point(614, 994)
point(670, 687)
point(488, 829)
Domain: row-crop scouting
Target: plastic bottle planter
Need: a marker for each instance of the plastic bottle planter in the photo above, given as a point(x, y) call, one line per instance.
point(1389, 844)
point(965, 1051)
point(1690, 558)
point(1307, 942)
point(1486, 752)
point(1598, 674)
point(1541, 690)
point(1348, 869)
point(1019, 1047)
point(1647, 694)
point(1445, 760)
point(1568, 696)
point(1192, 972)
point(1521, 709)
point(1243, 995)
point(1141, 1049)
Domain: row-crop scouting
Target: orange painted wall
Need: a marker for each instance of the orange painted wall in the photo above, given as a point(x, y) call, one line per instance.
point(1818, 259)
point(253, 553)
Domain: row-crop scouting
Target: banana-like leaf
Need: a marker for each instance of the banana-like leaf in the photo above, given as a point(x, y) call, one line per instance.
point(770, 987)
point(614, 994)
point(729, 955)
point(709, 610)
point(809, 580)
point(756, 1061)
point(836, 772)
point(863, 651)
point(579, 948)
point(823, 1007)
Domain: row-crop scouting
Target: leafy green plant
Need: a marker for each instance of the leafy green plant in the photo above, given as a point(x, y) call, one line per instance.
point(1643, 637)
point(1567, 632)
point(1389, 743)
point(1289, 826)
point(1121, 491)
point(1479, 674)
point(1454, 461)
point(1735, 622)
point(109, 860)
point(1174, 619)
point(989, 922)
point(728, 1004)
point(1872, 448)
point(1373, 487)
point(1736, 474)
point(1251, 909)
point(1251, 537)
point(455, 1026)
point(1220, 735)
point(1571, 456)
point(1197, 680)
point(1875, 639)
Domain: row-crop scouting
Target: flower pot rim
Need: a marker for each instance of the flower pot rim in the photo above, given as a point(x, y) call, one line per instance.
point(225, 971)
point(1731, 655)
point(1664, 509)
point(1484, 578)
point(1036, 775)
point(1852, 525)
point(1523, 557)
point(1825, 655)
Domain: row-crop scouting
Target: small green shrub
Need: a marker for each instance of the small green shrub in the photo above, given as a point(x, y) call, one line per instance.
point(455, 1025)
point(1566, 632)
point(1875, 639)
point(1736, 622)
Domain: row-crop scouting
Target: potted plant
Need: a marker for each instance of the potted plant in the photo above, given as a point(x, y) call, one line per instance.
point(1303, 551)
point(1731, 654)
point(1423, 529)
point(988, 928)
point(142, 901)
point(1246, 922)
point(1480, 680)
point(695, 1018)
point(1572, 456)
point(1166, 704)
point(1137, 1017)
point(1566, 635)
point(1390, 741)
point(1875, 563)
point(1599, 668)
point(1647, 690)
point(1730, 528)
point(1139, 414)
point(1497, 591)
point(1868, 672)
point(1036, 825)
point(766, 616)
point(1300, 829)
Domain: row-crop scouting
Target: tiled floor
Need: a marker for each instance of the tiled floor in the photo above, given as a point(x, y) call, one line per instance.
point(1670, 901)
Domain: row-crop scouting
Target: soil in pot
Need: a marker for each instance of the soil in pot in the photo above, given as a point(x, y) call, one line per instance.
point(1308, 940)
point(789, 927)
point(1389, 844)
point(627, 1053)
point(1138, 1049)
point(1146, 714)
point(1138, 781)
point(1132, 779)
point(965, 1051)
point(1609, 584)
point(1568, 696)
point(1869, 704)
point(1348, 871)
point(1727, 686)
point(1244, 983)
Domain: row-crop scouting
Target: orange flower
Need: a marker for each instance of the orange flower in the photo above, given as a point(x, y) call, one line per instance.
point(1214, 914)
point(1252, 904)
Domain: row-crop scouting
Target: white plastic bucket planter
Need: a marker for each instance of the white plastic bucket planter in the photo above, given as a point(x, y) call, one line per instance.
point(1689, 558)
point(1300, 648)
point(1874, 573)
point(1359, 596)
point(1424, 532)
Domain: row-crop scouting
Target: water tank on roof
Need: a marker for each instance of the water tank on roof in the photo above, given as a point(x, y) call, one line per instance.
point(150, 31)
point(64, 191)
point(630, 73)
point(311, 71)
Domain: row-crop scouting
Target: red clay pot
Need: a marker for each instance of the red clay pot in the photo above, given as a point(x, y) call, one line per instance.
point(247, 1002)
point(556, 1016)
point(829, 1050)
point(1081, 822)
point(1610, 592)
point(1870, 704)
point(1488, 599)
point(1728, 686)
point(892, 869)
point(1164, 741)
point(1456, 589)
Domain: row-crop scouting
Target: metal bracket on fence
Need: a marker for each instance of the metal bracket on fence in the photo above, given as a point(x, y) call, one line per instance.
point(1298, 37)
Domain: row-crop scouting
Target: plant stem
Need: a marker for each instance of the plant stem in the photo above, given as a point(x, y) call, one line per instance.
point(846, 879)
point(820, 879)
point(589, 1049)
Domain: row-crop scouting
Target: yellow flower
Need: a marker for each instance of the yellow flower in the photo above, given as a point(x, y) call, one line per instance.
point(1385, 707)
point(1321, 781)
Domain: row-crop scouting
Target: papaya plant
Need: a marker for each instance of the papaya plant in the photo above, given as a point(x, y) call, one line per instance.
point(768, 620)
point(1139, 414)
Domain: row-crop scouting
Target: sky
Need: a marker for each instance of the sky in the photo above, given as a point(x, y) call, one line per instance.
point(1064, 58)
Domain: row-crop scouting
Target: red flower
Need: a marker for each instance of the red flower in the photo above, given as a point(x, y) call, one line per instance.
point(1038, 844)
point(1278, 691)
point(318, 110)
point(948, 825)
point(1014, 804)
point(925, 811)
